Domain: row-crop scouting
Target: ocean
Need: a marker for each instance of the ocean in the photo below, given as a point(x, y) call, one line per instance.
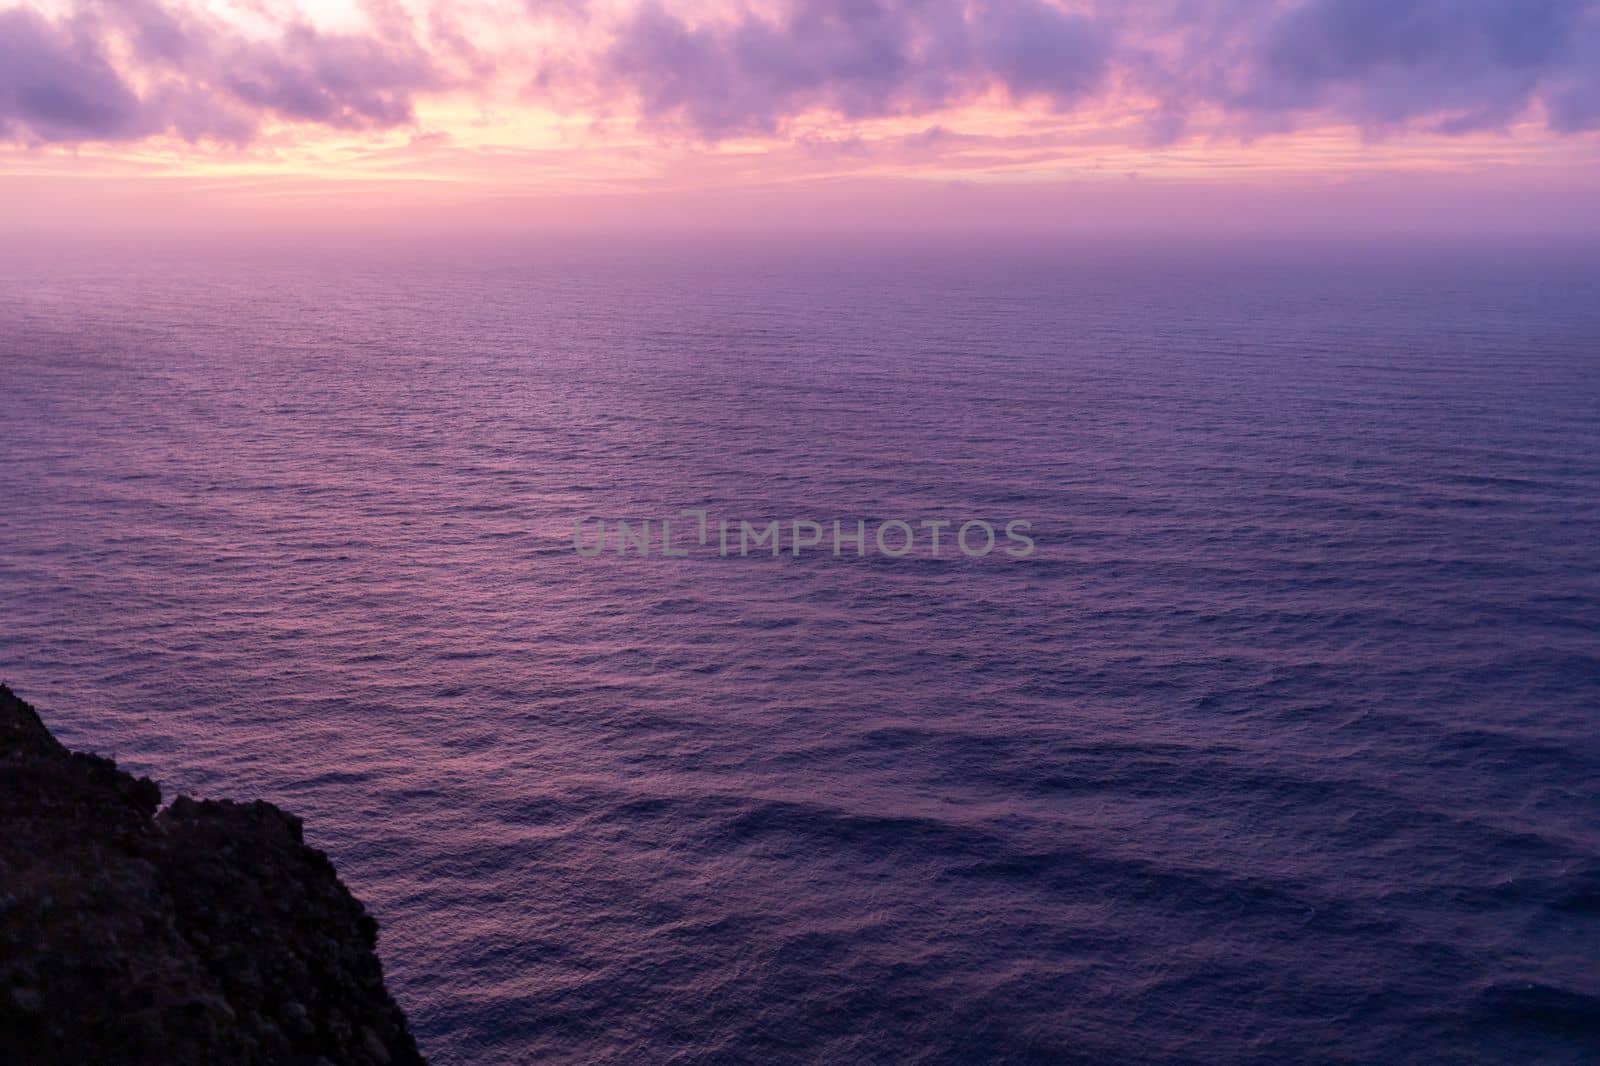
point(1280, 745)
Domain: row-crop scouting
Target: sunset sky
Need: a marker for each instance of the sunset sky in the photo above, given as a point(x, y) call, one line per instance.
point(1205, 114)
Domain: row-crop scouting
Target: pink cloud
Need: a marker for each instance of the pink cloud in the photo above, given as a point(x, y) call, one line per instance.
point(200, 78)
point(133, 69)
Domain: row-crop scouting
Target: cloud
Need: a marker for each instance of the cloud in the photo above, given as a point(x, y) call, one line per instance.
point(1459, 65)
point(856, 58)
point(57, 84)
point(123, 70)
point(1445, 66)
point(343, 81)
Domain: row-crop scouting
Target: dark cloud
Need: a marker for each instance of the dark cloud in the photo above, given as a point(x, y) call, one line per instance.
point(128, 69)
point(336, 80)
point(857, 58)
point(1452, 66)
point(1449, 66)
point(1575, 105)
point(198, 78)
point(57, 84)
point(1461, 65)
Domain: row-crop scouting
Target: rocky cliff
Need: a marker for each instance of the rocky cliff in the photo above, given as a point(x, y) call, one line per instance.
point(205, 933)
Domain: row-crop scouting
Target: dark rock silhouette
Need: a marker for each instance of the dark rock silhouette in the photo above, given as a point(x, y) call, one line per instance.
point(207, 933)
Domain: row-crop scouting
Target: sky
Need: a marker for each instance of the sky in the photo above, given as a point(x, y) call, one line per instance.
point(1025, 116)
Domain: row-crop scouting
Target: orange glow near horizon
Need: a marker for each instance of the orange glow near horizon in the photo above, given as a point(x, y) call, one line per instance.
point(511, 110)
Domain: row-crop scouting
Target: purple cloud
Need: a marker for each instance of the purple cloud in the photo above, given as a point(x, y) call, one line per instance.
point(197, 77)
point(122, 70)
point(335, 80)
point(56, 83)
point(1460, 64)
point(857, 58)
point(1452, 66)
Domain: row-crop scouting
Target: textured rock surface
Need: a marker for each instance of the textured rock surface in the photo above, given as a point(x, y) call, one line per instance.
point(207, 933)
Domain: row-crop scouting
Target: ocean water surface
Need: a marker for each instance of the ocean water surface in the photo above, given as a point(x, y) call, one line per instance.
point(1282, 746)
